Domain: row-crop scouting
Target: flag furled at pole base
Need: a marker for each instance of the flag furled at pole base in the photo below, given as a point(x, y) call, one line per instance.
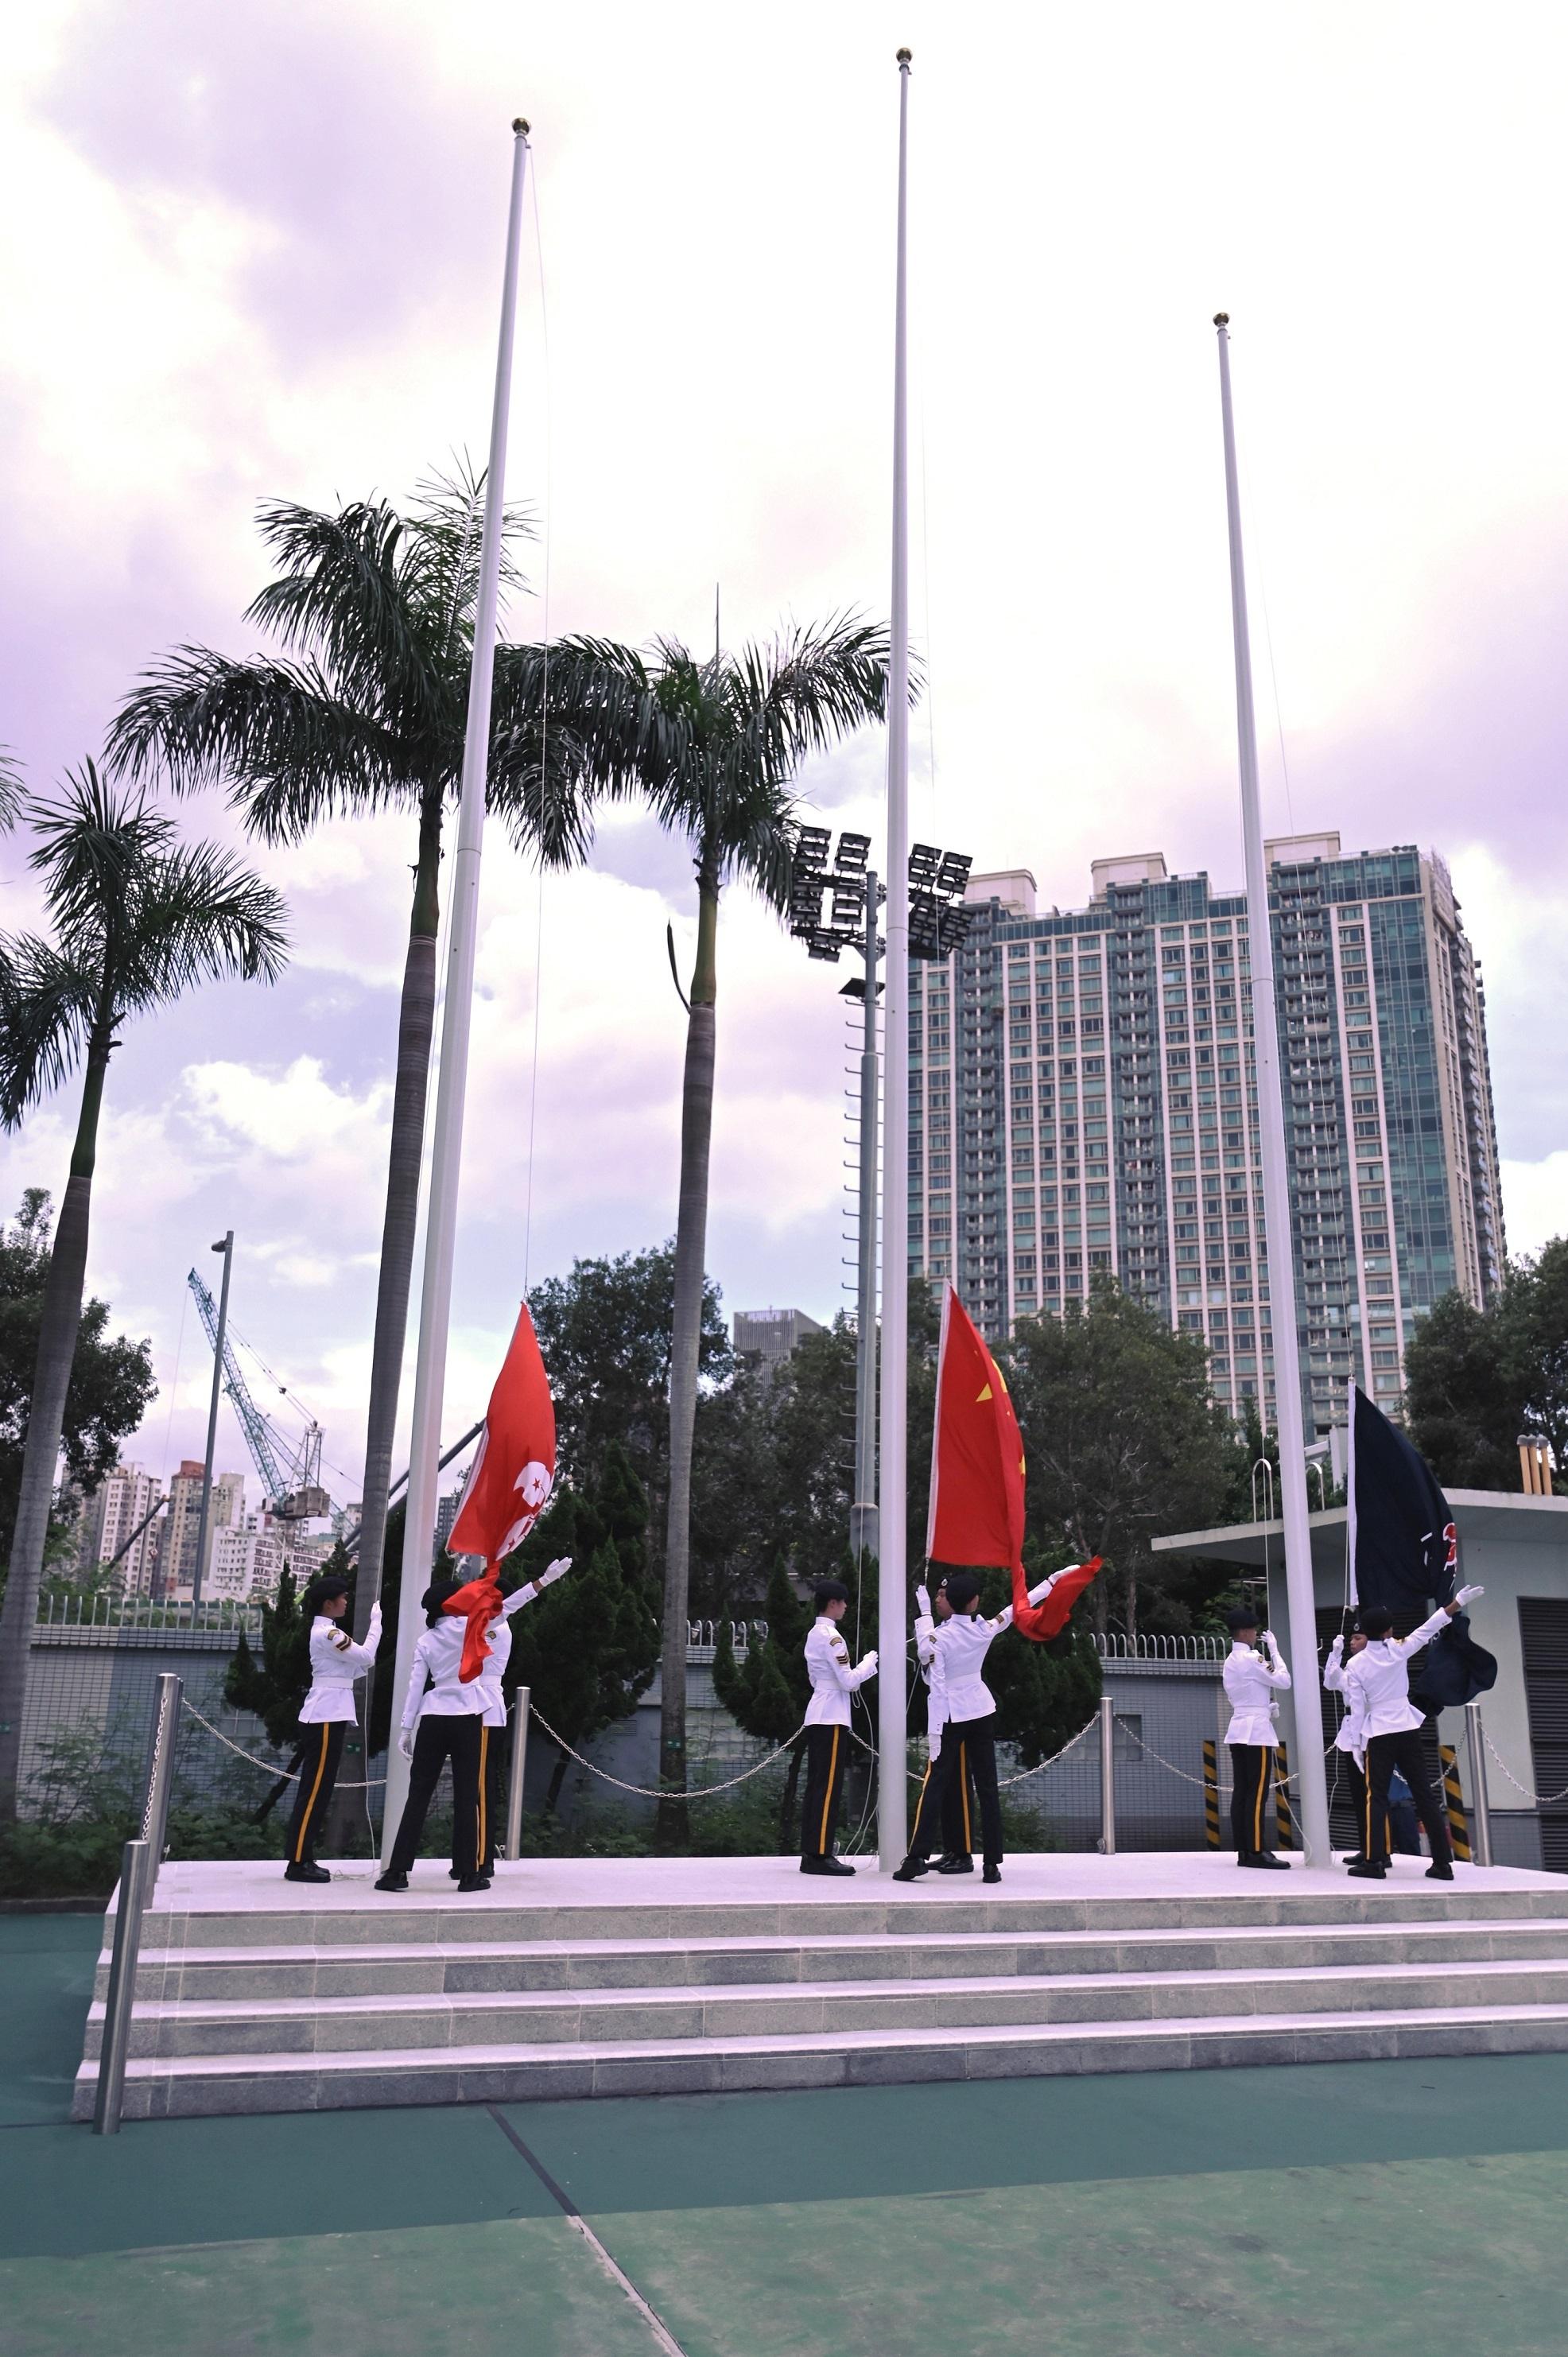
point(977, 1476)
point(509, 1483)
point(477, 1603)
point(1403, 1545)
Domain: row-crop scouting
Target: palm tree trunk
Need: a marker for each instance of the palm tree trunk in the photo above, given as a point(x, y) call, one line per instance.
point(690, 1255)
point(58, 1330)
point(416, 1026)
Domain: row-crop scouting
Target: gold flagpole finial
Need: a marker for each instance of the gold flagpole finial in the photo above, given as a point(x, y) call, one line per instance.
point(904, 57)
point(1222, 318)
point(520, 126)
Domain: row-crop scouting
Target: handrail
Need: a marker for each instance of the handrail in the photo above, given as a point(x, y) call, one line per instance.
point(139, 1865)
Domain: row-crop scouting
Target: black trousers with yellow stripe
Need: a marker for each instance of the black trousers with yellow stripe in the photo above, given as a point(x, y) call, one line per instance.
point(436, 1740)
point(489, 1753)
point(827, 1756)
point(321, 1749)
point(1403, 1751)
point(1251, 1767)
point(968, 1752)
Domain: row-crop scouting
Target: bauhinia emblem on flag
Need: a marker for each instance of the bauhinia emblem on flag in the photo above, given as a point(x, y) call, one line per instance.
point(978, 1472)
point(509, 1483)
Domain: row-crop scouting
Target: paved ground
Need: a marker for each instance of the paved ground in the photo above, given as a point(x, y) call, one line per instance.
point(1330, 2211)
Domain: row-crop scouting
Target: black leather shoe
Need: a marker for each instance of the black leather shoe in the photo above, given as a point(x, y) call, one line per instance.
point(391, 1880)
point(826, 1866)
point(1267, 1859)
point(911, 1869)
point(473, 1882)
point(1369, 1873)
point(305, 1871)
point(992, 1874)
point(956, 1862)
point(1440, 1871)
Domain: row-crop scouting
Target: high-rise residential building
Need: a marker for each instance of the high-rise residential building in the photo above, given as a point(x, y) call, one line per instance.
point(177, 1552)
point(771, 1335)
point(1082, 1097)
point(242, 1561)
point(121, 1502)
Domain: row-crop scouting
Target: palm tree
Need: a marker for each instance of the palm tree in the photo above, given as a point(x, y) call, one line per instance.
point(137, 918)
point(739, 727)
point(365, 711)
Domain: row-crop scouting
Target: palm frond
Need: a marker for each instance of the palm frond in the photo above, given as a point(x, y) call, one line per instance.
point(290, 749)
point(443, 539)
point(89, 843)
point(197, 916)
point(12, 792)
point(46, 1002)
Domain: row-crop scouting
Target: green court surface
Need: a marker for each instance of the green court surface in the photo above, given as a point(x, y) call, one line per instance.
point(1336, 2210)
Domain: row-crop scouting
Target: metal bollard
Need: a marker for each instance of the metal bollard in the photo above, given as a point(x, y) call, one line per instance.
point(515, 1773)
point(116, 2042)
point(1480, 1814)
point(160, 1778)
point(1106, 1776)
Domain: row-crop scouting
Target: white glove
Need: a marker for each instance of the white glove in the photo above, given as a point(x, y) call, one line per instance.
point(405, 1741)
point(1337, 1648)
point(1467, 1594)
point(923, 1599)
point(868, 1664)
point(374, 1626)
point(934, 1746)
point(557, 1570)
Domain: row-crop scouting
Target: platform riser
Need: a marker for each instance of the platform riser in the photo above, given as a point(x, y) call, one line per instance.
point(345, 2089)
point(332, 1978)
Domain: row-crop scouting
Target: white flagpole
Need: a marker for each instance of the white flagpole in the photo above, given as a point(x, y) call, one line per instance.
point(892, 1601)
point(1281, 1262)
point(447, 1147)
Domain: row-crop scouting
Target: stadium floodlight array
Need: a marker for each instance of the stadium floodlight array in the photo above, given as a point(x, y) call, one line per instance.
point(938, 922)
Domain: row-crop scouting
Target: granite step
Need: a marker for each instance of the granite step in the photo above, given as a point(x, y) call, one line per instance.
point(378, 1968)
point(948, 2006)
point(192, 2085)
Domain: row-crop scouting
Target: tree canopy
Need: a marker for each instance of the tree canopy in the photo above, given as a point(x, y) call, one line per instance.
point(1477, 1379)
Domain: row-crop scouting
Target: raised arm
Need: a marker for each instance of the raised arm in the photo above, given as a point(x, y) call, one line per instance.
point(529, 1589)
point(1274, 1661)
point(359, 1657)
point(1334, 1668)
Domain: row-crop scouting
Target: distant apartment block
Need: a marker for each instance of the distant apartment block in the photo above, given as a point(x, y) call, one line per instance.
point(771, 1335)
point(1083, 1097)
point(119, 1506)
point(182, 1522)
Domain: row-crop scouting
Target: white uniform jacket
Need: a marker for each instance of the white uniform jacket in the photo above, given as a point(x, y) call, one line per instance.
point(1376, 1682)
point(936, 1687)
point(335, 1663)
point(832, 1680)
point(1348, 1739)
point(1251, 1682)
point(498, 1635)
point(957, 1649)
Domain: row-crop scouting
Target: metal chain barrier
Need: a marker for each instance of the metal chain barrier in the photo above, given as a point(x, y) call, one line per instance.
point(1536, 1799)
point(283, 1775)
point(667, 1792)
point(1024, 1774)
point(1279, 1784)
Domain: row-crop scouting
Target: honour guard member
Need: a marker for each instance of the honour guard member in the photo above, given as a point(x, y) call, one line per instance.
point(957, 1814)
point(446, 1722)
point(1377, 1686)
point(498, 1636)
point(1347, 1741)
point(326, 1711)
point(827, 1725)
point(1253, 1674)
point(968, 1744)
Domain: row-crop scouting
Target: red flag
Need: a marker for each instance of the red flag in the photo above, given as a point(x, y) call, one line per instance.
point(477, 1603)
point(508, 1484)
point(977, 1475)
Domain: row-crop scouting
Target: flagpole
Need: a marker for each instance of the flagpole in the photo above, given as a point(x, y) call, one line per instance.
point(892, 1602)
point(1280, 1260)
point(446, 1148)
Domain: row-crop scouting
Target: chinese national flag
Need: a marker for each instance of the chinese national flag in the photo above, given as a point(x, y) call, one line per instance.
point(508, 1484)
point(977, 1476)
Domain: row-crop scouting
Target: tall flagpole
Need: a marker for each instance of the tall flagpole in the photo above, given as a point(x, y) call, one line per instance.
point(892, 1601)
point(1280, 1260)
point(446, 1149)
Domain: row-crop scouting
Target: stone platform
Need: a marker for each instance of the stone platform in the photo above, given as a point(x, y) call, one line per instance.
point(578, 1978)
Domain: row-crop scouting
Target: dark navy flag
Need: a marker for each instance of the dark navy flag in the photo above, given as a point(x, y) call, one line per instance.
point(1402, 1542)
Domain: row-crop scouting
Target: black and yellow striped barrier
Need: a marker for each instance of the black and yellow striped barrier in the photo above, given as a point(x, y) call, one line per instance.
point(1458, 1817)
point(1284, 1831)
point(1211, 1793)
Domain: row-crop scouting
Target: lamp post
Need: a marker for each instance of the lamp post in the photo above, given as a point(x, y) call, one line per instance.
point(227, 1249)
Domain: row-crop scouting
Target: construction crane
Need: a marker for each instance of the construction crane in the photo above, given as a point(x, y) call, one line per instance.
point(290, 1468)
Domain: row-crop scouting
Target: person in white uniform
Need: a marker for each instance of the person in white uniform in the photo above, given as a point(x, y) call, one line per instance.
point(326, 1714)
point(499, 1638)
point(1254, 1674)
point(444, 1719)
point(1377, 1687)
point(827, 1725)
point(968, 1733)
point(1347, 1741)
point(957, 1812)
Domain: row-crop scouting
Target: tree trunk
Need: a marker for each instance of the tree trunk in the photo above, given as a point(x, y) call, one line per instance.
point(61, 1320)
point(416, 1026)
point(690, 1255)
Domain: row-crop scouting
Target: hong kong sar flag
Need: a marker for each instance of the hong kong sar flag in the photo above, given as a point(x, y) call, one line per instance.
point(977, 1476)
point(508, 1484)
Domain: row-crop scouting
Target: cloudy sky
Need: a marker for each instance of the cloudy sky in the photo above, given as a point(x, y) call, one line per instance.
point(255, 251)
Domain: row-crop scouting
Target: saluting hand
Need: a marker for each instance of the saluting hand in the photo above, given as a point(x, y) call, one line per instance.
point(557, 1570)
